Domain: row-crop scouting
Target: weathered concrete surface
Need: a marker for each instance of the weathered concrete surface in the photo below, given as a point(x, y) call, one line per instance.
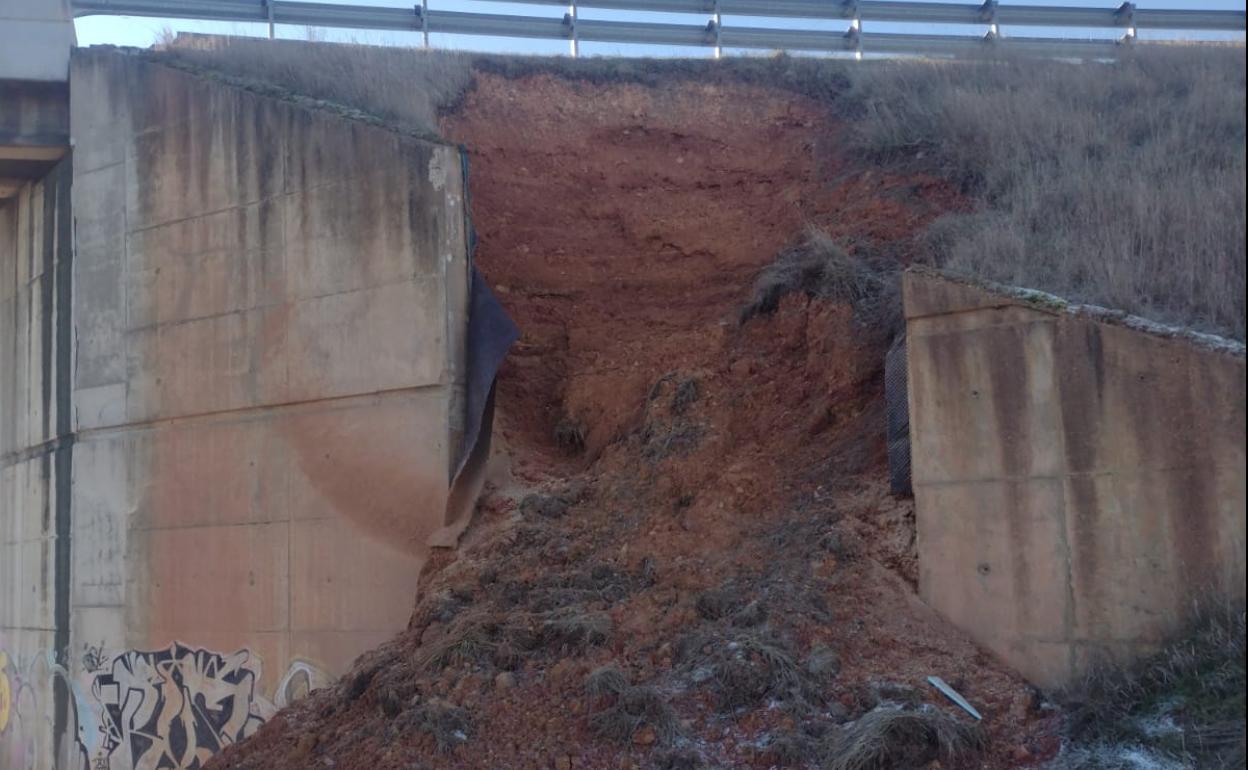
point(1078, 482)
point(269, 305)
point(35, 40)
point(35, 251)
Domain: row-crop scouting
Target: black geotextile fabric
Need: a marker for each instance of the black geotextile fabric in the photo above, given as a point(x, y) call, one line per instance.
point(898, 410)
point(491, 333)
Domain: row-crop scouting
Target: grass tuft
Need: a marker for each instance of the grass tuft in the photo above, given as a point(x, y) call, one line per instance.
point(606, 681)
point(889, 738)
point(633, 709)
point(448, 725)
point(575, 630)
point(820, 267)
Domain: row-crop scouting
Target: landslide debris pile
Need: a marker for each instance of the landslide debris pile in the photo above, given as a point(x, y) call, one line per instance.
point(693, 559)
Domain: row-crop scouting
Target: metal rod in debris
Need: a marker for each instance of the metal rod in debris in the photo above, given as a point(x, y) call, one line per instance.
point(953, 695)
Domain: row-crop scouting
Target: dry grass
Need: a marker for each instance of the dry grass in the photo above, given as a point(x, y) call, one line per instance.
point(889, 738)
point(606, 681)
point(748, 669)
point(1116, 184)
point(469, 640)
point(573, 630)
point(632, 710)
point(482, 639)
point(818, 266)
point(679, 759)
point(1185, 706)
point(448, 725)
point(404, 87)
point(716, 603)
point(570, 436)
point(792, 750)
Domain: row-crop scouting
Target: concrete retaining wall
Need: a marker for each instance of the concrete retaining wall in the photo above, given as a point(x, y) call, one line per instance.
point(35, 250)
point(1078, 482)
point(266, 399)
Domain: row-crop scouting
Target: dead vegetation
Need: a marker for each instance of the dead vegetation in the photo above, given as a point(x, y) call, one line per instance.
point(639, 714)
point(405, 87)
point(485, 639)
point(668, 428)
point(570, 436)
point(606, 681)
point(821, 268)
point(748, 668)
point(448, 725)
point(889, 738)
point(1185, 706)
point(1119, 184)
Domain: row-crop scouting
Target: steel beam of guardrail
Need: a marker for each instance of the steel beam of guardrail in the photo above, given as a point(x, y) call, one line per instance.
point(714, 34)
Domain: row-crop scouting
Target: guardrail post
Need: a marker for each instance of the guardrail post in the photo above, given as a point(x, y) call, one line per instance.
point(853, 36)
point(988, 14)
point(422, 11)
point(268, 7)
point(570, 20)
point(1125, 16)
point(717, 20)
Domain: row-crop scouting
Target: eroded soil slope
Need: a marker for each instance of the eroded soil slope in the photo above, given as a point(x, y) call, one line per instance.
point(697, 503)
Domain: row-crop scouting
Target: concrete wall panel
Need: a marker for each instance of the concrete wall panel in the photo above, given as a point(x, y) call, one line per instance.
point(1079, 483)
point(33, 444)
point(267, 300)
point(1004, 375)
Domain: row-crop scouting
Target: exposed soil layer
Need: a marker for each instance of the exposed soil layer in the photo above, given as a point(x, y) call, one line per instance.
point(698, 502)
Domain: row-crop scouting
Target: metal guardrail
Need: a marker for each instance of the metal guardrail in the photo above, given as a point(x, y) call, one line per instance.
point(990, 15)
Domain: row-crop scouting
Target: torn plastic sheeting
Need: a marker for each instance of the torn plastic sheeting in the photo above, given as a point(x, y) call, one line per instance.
point(491, 333)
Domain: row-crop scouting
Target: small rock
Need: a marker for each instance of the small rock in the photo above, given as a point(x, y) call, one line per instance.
point(563, 763)
point(645, 736)
point(505, 681)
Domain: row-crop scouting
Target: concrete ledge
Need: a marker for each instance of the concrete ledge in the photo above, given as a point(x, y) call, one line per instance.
point(34, 130)
point(35, 40)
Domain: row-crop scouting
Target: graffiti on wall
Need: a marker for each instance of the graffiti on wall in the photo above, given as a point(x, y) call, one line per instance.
point(19, 710)
point(168, 709)
point(6, 691)
point(25, 706)
point(171, 708)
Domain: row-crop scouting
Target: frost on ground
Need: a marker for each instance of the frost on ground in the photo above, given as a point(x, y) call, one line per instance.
point(1184, 708)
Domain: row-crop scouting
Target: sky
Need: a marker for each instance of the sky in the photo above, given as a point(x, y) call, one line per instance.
point(143, 32)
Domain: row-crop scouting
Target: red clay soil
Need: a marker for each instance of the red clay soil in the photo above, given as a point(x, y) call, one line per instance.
point(708, 484)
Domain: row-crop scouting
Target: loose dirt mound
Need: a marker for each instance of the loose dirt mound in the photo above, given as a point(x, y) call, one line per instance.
point(695, 562)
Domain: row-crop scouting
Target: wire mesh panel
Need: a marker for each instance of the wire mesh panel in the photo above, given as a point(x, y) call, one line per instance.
point(898, 415)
